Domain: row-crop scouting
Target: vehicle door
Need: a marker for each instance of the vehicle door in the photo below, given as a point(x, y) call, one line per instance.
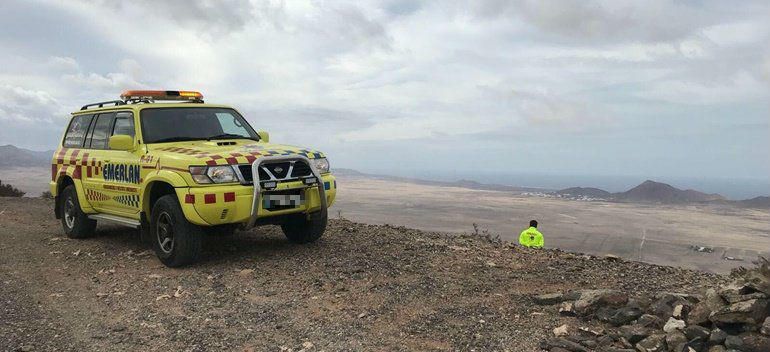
point(121, 172)
point(93, 157)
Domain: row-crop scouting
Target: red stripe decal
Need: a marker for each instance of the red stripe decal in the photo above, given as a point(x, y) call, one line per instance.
point(76, 173)
point(211, 162)
point(53, 172)
point(74, 157)
point(230, 197)
point(210, 198)
point(63, 151)
point(189, 198)
point(232, 161)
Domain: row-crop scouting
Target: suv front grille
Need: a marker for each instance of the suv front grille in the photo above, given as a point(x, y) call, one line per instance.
point(279, 171)
point(301, 169)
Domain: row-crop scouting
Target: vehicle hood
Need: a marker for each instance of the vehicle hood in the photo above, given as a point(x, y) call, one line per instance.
point(220, 152)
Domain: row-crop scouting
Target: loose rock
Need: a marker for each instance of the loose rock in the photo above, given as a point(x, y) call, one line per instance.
point(653, 343)
point(752, 311)
point(548, 299)
point(673, 324)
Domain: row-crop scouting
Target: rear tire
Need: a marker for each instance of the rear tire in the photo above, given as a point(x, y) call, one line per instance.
point(298, 229)
point(176, 241)
point(76, 224)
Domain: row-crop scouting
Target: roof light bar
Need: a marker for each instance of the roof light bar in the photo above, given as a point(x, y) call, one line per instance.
point(161, 95)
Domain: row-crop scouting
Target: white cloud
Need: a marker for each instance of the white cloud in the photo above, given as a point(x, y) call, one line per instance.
point(23, 105)
point(741, 87)
point(765, 69)
point(344, 74)
point(65, 64)
point(604, 20)
point(737, 33)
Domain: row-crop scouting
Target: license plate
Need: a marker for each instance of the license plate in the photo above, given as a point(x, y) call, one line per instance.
point(282, 201)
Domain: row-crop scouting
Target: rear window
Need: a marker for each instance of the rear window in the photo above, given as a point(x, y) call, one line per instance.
point(76, 132)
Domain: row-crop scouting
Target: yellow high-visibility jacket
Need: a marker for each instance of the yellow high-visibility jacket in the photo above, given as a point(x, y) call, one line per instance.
point(531, 237)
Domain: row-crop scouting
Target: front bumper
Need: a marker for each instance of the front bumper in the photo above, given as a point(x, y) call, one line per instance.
point(236, 204)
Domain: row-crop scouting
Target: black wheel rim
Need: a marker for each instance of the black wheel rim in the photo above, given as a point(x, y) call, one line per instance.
point(165, 232)
point(69, 212)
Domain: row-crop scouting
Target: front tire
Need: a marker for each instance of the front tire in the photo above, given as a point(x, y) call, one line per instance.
point(300, 229)
point(176, 241)
point(75, 222)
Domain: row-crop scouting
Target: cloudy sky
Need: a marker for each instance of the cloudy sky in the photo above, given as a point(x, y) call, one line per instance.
point(650, 88)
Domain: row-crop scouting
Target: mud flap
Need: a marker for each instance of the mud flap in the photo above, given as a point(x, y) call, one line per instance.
point(57, 207)
point(145, 237)
point(316, 215)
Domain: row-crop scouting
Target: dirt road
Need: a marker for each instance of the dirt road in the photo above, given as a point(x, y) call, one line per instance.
point(362, 287)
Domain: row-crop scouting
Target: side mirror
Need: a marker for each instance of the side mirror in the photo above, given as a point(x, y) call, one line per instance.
point(121, 142)
point(264, 136)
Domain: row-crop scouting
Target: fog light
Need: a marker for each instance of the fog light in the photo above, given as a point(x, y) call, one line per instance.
point(309, 180)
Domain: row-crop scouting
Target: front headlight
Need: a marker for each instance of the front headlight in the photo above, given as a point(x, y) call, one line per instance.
point(321, 164)
point(213, 174)
point(221, 174)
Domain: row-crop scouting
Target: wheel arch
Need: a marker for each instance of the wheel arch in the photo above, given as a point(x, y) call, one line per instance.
point(153, 190)
point(62, 182)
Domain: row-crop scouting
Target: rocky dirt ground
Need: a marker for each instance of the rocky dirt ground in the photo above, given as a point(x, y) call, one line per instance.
point(361, 287)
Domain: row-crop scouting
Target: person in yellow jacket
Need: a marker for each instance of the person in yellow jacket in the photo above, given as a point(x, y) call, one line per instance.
point(531, 237)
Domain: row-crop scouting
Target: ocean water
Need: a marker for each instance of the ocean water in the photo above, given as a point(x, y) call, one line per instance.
point(734, 189)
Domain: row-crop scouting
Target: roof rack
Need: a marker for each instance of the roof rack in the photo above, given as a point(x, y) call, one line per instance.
point(102, 104)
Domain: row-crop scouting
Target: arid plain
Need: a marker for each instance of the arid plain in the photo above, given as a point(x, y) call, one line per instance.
point(661, 234)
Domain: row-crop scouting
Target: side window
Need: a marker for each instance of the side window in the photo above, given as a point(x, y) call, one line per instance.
point(76, 132)
point(101, 131)
point(124, 124)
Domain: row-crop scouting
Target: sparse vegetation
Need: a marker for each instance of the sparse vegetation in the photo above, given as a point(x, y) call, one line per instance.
point(46, 195)
point(7, 190)
point(485, 234)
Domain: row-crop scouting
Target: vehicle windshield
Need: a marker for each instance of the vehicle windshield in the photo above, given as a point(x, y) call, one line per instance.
point(161, 125)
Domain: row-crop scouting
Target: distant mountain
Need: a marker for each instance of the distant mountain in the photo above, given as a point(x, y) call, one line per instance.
point(12, 156)
point(339, 171)
point(585, 192)
point(461, 183)
point(651, 191)
point(757, 202)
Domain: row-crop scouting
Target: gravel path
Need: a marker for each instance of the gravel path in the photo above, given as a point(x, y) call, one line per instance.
point(362, 287)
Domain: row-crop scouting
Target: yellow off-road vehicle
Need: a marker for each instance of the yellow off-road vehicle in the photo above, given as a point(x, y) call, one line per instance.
point(178, 169)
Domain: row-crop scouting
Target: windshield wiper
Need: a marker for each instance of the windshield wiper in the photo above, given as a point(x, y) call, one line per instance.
point(230, 136)
point(176, 139)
